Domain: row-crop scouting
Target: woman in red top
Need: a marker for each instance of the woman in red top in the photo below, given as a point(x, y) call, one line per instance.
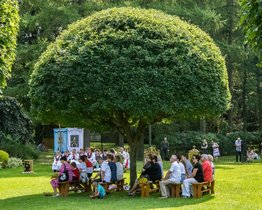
point(75, 171)
point(89, 167)
point(207, 168)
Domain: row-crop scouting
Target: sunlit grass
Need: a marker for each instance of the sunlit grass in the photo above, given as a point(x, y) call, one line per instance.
point(238, 186)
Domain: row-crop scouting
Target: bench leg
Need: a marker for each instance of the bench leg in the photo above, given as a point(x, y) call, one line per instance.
point(197, 191)
point(144, 190)
point(63, 189)
point(120, 185)
point(212, 187)
point(175, 190)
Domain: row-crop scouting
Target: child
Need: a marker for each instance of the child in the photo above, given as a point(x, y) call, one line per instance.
point(89, 167)
point(83, 170)
point(119, 168)
point(56, 164)
point(99, 191)
point(75, 170)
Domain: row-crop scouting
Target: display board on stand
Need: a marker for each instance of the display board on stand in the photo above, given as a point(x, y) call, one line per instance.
point(68, 139)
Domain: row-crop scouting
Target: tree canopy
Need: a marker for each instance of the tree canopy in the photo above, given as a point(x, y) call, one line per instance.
point(252, 24)
point(9, 19)
point(130, 64)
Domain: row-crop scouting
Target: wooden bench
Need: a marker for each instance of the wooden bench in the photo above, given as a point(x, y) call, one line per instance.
point(148, 187)
point(65, 187)
point(175, 190)
point(119, 185)
point(203, 187)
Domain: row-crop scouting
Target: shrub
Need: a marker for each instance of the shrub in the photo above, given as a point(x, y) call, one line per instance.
point(14, 162)
point(16, 149)
point(182, 142)
point(3, 158)
point(14, 122)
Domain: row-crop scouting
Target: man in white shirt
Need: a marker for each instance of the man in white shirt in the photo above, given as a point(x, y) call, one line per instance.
point(238, 149)
point(173, 176)
point(105, 171)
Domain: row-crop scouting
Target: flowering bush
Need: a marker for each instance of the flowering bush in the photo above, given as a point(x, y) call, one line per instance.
point(14, 162)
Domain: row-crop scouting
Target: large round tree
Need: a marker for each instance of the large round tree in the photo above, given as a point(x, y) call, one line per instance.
point(126, 68)
point(9, 21)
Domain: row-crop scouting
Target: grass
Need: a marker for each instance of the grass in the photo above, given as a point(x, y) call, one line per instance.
point(238, 186)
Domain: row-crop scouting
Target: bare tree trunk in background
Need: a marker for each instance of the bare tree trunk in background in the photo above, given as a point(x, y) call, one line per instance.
point(121, 140)
point(230, 5)
point(86, 138)
point(150, 135)
point(203, 125)
point(244, 100)
point(259, 97)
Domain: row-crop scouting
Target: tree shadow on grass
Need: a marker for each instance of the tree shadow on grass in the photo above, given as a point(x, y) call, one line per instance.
point(224, 167)
point(38, 171)
point(114, 200)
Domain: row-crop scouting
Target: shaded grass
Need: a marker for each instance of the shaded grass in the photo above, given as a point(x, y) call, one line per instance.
point(238, 186)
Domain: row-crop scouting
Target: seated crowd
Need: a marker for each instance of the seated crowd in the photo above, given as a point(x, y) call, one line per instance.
point(181, 171)
point(80, 166)
point(110, 167)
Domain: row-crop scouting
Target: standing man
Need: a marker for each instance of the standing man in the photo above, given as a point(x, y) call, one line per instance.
point(172, 176)
point(238, 143)
point(165, 148)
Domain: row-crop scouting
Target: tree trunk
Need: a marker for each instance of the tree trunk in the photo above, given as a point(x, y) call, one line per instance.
point(140, 150)
point(259, 97)
point(244, 101)
point(86, 138)
point(150, 135)
point(133, 152)
point(121, 140)
point(230, 7)
point(203, 125)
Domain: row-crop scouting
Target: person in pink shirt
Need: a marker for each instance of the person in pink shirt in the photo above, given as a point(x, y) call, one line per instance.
point(207, 168)
point(65, 166)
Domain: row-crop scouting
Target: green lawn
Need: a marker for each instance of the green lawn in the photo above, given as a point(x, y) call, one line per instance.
point(238, 186)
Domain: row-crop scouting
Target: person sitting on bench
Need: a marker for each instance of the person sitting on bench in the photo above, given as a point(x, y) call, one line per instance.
point(65, 166)
point(105, 172)
point(119, 168)
point(151, 171)
point(207, 168)
point(196, 176)
point(173, 176)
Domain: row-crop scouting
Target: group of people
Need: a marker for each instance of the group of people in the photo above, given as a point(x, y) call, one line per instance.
point(241, 150)
point(181, 171)
point(91, 155)
point(215, 148)
point(109, 167)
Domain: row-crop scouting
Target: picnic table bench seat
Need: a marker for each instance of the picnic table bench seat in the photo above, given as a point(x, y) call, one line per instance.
point(65, 187)
point(201, 188)
point(119, 185)
point(148, 187)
